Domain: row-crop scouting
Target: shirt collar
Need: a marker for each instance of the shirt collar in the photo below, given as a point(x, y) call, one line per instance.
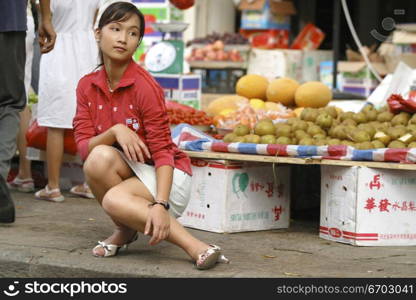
point(127, 79)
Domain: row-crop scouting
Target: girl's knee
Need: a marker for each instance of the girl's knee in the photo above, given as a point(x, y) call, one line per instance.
point(99, 160)
point(111, 201)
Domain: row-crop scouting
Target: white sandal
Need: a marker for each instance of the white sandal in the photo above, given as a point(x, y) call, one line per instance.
point(85, 194)
point(46, 194)
point(210, 257)
point(22, 185)
point(111, 249)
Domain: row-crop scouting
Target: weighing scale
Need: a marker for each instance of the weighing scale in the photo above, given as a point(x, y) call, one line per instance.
point(167, 56)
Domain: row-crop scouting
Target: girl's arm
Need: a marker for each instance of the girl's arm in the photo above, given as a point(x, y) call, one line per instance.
point(158, 219)
point(87, 139)
point(129, 141)
point(164, 177)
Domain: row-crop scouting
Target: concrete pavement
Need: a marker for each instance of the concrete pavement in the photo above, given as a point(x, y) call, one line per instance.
point(55, 240)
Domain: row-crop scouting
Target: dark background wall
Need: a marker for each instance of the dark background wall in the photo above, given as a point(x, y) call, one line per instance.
point(367, 16)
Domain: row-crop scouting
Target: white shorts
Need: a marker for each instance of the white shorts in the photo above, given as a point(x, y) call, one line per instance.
point(181, 185)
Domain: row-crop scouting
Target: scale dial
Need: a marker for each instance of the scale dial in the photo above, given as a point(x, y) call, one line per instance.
point(160, 57)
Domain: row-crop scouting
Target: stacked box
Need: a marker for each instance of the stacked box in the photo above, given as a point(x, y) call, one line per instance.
point(311, 63)
point(184, 89)
point(357, 77)
point(263, 14)
point(368, 207)
point(276, 63)
point(235, 197)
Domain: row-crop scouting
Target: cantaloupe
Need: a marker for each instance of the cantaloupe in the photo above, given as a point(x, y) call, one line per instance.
point(313, 94)
point(282, 90)
point(252, 86)
point(220, 104)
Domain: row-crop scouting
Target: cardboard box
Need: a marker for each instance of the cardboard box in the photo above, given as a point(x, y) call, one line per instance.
point(402, 48)
point(357, 77)
point(184, 89)
point(276, 63)
point(368, 207)
point(392, 60)
point(266, 14)
point(325, 73)
point(235, 197)
point(310, 38)
point(267, 38)
point(311, 61)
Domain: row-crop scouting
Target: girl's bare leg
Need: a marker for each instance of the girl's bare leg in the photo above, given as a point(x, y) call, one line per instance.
point(128, 202)
point(106, 160)
point(125, 198)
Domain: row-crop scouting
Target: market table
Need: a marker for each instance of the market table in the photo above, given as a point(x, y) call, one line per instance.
point(298, 161)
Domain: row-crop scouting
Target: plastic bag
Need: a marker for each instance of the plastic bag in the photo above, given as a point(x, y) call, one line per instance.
point(397, 104)
point(183, 4)
point(36, 138)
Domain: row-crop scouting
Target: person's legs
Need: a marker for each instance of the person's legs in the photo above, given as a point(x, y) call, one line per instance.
point(106, 160)
point(128, 203)
point(25, 164)
point(126, 199)
point(54, 155)
point(9, 125)
point(7, 212)
point(25, 171)
point(12, 93)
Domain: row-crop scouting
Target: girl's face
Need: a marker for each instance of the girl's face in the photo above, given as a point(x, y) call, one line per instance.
point(119, 40)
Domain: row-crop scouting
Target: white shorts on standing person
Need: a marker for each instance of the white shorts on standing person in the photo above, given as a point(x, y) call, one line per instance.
point(75, 54)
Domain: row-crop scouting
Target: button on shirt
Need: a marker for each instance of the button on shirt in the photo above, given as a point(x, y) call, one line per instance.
point(13, 15)
point(137, 102)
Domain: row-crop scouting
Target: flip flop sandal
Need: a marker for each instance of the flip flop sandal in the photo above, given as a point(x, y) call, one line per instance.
point(86, 193)
point(22, 185)
point(46, 194)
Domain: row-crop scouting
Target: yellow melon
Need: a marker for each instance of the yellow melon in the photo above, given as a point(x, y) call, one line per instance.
point(313, 94)
point(282, 90)
point(232, 102)
point(298, 111)
point(252, 86)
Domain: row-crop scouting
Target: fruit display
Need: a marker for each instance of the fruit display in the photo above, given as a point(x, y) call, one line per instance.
point(226, 38)
point(224, 105)
point(250, 113)
point(282, 90)
point(217, 51)
point(195, 117)
point(313, 94)
point(252, 86)
point(179, 113)
point(367, 129)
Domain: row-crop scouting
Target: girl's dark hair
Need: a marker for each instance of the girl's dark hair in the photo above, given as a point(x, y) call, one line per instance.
point(121, 11)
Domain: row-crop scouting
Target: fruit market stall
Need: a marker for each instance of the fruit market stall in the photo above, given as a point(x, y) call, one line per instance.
point(366, 162)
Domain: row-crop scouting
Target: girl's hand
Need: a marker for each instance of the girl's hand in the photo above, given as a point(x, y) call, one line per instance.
point(158, 222)
point(131, 144)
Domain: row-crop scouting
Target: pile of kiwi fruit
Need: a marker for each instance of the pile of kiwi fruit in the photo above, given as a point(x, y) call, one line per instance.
point(369, 128)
